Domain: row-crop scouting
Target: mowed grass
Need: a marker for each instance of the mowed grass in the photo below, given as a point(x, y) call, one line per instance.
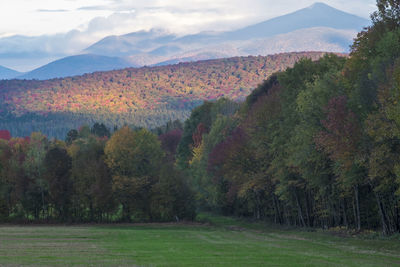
point(224, 242)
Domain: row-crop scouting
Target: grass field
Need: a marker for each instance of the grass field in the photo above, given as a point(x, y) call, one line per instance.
point(224, 242)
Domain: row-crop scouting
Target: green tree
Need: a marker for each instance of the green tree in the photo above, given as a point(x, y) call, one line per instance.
point(134, 158)
point(58, 165)
point(34, 169)
point(100, 130)
point(172, 199)
point(72, 135)
point(199, 115)
point(91, 179)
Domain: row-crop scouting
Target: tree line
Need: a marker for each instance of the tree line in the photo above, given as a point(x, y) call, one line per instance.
point(91, 177)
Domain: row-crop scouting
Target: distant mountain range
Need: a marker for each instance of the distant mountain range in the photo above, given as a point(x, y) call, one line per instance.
point(315, 28)
point(318, 27)
point(6, 73)
point(77, 65)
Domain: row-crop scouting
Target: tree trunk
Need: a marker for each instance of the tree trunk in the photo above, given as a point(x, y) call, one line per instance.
point(336, 215)
point(299, 210)
point(307, 210)
point(258, 206)
point(397, 217)
point(288, 222)
point(91, 210)
point(125, 213)
point(385, 226)
point(277, 210)
point(42, 193)
point(344, 213)
point(394, 220)
point(358, 220)
point(326, 214)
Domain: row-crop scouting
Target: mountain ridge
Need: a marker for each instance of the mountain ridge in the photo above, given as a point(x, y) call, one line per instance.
point(76, 65)
point(7, 73)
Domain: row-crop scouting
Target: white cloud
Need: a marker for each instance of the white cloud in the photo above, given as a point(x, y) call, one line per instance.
point(26, 17)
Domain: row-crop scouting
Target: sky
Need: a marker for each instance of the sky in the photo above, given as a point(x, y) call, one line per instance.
point(53, 28)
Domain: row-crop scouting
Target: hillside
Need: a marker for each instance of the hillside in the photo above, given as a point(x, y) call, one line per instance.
point(6, 73)
point(132, 43)
point(76, 65)
point(147, 96)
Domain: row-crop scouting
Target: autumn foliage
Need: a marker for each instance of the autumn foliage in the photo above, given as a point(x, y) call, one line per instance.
point(146, 97)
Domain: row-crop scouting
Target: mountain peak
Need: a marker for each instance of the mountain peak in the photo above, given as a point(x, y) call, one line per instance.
point(322, 7)
point(317, 15)
point(319, 5)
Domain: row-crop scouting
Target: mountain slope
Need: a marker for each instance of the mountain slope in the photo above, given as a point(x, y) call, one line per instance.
point(148, 96)
point(6, 73)
point(76, 65)
point(133, 43)
point(317, 15)
point(309, 39)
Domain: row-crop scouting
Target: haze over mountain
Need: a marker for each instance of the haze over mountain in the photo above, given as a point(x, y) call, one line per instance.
point(318, 27)
point(77, 65)
point(6, 73)
point(316, 15)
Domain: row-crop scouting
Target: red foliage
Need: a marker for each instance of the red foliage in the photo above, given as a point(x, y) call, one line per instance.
point(18, 147)
point(152, 88)
point(225, 150)
point(5, 135)
point(198, 134)
point(342, 131)
point(170, 141)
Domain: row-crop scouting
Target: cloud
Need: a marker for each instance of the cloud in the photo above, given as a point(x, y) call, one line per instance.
point(121, 5)
point(24, 53)
point(178, 20)
point(182, 16)
point(52, 10)
point(92, 8)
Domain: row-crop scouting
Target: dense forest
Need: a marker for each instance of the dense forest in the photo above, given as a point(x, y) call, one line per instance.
point(92, 177)
point(317, 145)
point(145, 97)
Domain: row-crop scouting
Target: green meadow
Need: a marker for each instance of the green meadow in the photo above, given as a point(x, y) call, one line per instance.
point(220, 241)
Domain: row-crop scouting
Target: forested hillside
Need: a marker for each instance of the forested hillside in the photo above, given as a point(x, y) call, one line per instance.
point(146, 97)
